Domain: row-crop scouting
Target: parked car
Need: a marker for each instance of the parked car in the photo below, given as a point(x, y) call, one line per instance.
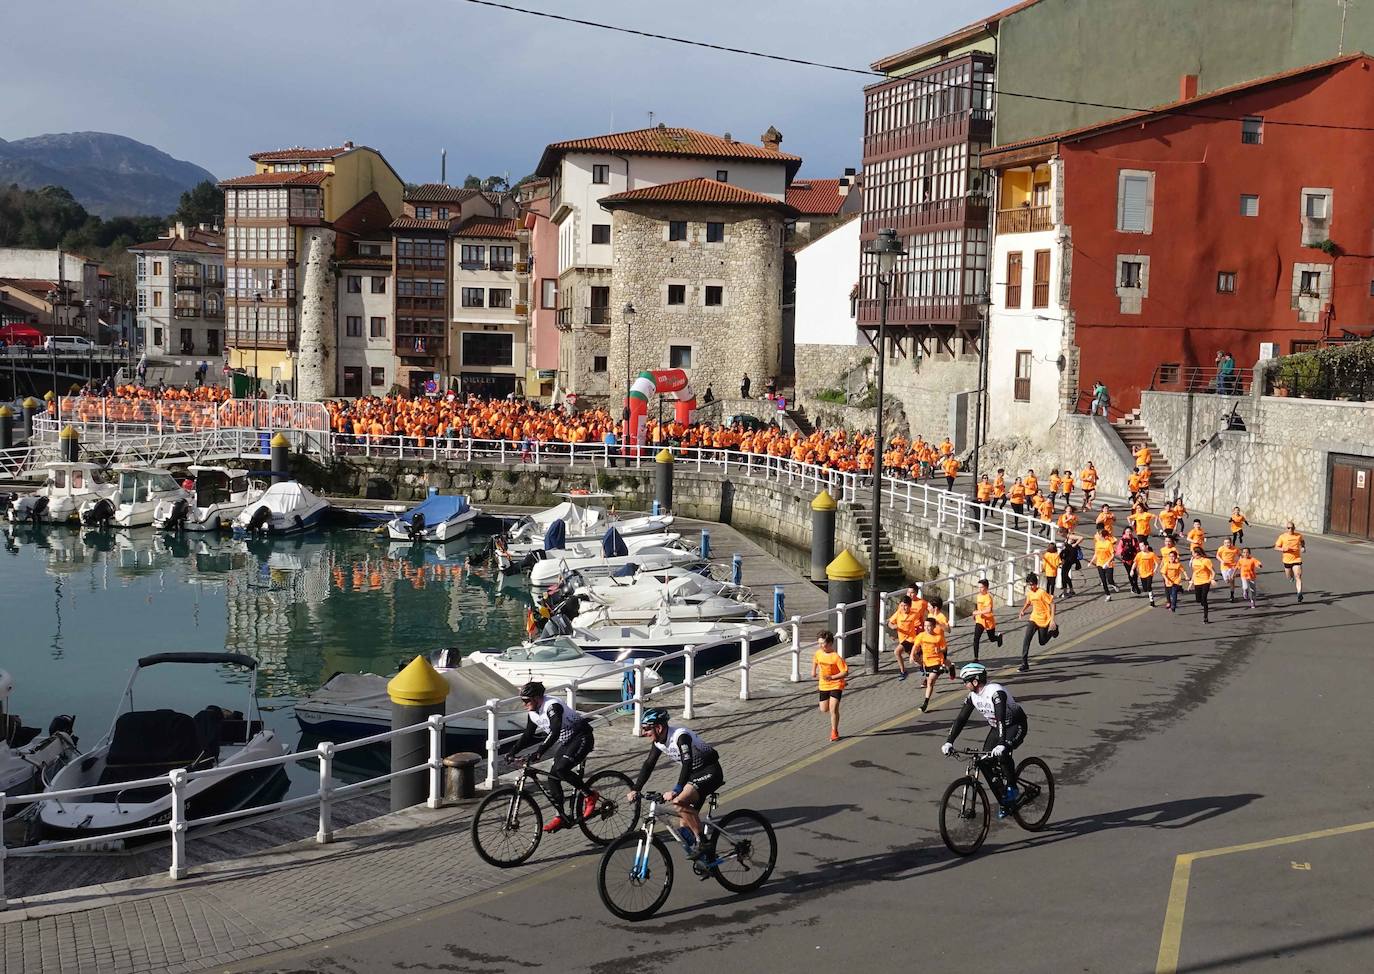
point(68, 343)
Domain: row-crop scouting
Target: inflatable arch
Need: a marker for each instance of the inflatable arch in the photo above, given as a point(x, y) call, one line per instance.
point(661, 381)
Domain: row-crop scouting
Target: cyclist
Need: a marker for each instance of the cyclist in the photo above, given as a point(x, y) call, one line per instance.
point(570, 733)
point(1008, 723)
point(699, 774)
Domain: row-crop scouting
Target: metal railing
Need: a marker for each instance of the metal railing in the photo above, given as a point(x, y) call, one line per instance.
point(1173, 377)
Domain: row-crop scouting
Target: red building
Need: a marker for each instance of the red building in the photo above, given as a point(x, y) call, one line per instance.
point(1221, 222)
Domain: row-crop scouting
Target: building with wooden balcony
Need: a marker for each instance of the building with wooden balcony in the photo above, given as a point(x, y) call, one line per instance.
point(180, 292)
point(278, 222)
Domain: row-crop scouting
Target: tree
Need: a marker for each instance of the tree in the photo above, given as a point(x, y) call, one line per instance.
point(492, 184)
point(203, 203)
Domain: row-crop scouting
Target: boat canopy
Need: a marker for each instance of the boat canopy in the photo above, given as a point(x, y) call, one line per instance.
point(288, 497)
point(556, 536)
point(229, 659)
point(612, 544)
point(438, 508)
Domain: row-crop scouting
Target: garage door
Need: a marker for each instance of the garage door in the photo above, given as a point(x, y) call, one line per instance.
point(1352, 486)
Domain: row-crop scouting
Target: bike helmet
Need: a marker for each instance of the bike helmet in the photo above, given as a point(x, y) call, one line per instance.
point(652, 716)
point(973, 671)
point(532, 690)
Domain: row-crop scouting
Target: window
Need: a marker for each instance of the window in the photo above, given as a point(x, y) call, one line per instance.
point(715, 295)
point(142, 268)
point(1252, 130)
point(598, 363)
point(157, 302)
point(377, 327)
point(443, 212)
point(1226, 282)
point(498, 297)
point(1134, 205)
point(355, 284)
point(715, 233)
point(369, 250)
point(474, 297)
point(422, 213)
point(157, 337)
point(1311, 283)
point(601, 233)
point(679, 356)
point(502, 258)
point(488, 348)
point(1021, 390)
point(157, 268)
point(1314, 206)
point(1130, 273)
point(601, 173)
point(473, 257)
point(1040, 292)
point(143, 297)
point(1249, 205)
point(722, 175)
point(677, 293)
point(1013, 299)
point(677, 229)
point(379, 285)
point(379, 376)
point(548, 293)
point(354, 326)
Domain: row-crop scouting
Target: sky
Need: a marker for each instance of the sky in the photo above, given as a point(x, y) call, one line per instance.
point(210, 83)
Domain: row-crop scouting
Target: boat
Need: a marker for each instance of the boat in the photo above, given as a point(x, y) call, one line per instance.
point(286, 507)
point(581, 522)
point(556, 662)
point(149, 744)
point(28, 758)
point(65, 489)
point(353, 705)
point(219, 496)
point(645, 597)
point(441, 518)
point(132, 505)
point(612, 554)
point(662, 637)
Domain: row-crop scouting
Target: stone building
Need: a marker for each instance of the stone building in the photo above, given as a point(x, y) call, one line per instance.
point(701, 262)
point(180, 300)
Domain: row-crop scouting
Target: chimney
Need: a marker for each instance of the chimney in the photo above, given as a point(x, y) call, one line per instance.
point(729, 137)
point(849, 172)
point(771, 139)
point(348, 144)
point(1187, 87)
point(844, 187)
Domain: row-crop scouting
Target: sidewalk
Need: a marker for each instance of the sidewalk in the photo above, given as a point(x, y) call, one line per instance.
point(414, 860)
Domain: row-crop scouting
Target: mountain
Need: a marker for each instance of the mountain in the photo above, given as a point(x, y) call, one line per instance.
point(110, 175)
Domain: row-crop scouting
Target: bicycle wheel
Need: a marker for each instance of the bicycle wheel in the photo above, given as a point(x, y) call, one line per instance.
point(635, 876)
point(613, 816)
point(744, 850)
point(1036, 783)
point(506, 827)
point(964, 816)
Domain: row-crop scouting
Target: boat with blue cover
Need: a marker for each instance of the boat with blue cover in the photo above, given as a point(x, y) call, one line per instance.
point(442, 517)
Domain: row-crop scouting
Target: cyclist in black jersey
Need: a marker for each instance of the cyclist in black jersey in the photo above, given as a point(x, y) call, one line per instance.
point(699, 772)
point(1008, 728)
point(570, 733)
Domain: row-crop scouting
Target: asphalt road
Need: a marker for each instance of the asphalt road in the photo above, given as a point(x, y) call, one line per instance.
point(1167, 738)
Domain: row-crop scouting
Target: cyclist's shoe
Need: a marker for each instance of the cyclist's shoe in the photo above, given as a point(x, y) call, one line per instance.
point(589, 804)
point(557, 824)
point(1012, 796)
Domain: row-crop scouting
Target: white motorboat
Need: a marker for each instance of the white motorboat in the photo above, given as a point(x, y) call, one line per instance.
point(580, 523)
point(27, 757)
point(645, 597)
point(441, 518)
point(140, 491)
point(663, 637)
point(652, 551)
point(555, 663)
point(220, 495)
point(149, 744)
point(66, 487)
point(286, 507)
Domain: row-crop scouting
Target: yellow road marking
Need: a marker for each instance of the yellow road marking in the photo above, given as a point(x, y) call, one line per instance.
point(1172, 935)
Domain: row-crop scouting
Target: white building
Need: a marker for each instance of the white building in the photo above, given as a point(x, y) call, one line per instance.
point(75, 280)
point(364, 327)
point(180, 292)
point(827, 271)
point(582, 172)
point(490, 311)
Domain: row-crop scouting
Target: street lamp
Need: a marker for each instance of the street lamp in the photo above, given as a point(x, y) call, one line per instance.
point(886, 248)
point(984, 305)
point(257, 309)
point(627, 314)
point(53, 298)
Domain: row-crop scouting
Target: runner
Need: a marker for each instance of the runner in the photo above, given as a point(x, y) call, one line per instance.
point(999, 489)
point(1172, 571)
point(1032, 483)
point(829, 669)
point(1066, 485)
point(1292, 544)
point(1228, 557)
point(1249, 567)
point(984, 621)
point(1055, 484)
point(906, 621)
point(950, 467)
point(1201, 580)
point(1018, 496)
point(1106, 518)
point(1141, 519)
point(983, 494)
point(1134, 483)
point(1197, 537)
point(1041, 626)
point(1050, 563)
point(1104, 557)
point(1068, 521)
point(1126, 549)
point(934, 657)
point(1088, 477)
point(1238, 526)
point(1168, 521)
point(1146, 564)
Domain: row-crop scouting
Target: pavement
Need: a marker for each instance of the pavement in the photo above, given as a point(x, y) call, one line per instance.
point(1231, 746)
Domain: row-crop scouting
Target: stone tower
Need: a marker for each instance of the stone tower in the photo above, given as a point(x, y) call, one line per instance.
point(314, 346)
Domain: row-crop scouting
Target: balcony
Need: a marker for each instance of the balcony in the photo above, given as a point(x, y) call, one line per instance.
point(563, 319)
point(185, 312)
point(1024, 219)
point(502, 265)
point(186, 282)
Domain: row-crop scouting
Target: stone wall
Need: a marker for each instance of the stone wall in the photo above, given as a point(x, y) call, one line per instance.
point(315, 348)
point(743, 334)
point(821, 367)
point(926, 388)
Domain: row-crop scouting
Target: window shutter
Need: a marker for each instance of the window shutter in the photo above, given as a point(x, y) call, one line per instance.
point(1134, 203)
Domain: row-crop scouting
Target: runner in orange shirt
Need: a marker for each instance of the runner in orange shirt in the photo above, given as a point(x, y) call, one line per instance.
point(1141, 519)
point(1052, 564)
point(934, 651)
point(1228, 557)
point(1238, 525)
point(1172, 570)
point(950, 466)
point(1067, 485)
point(907, 623)
point(999, 489)
point(1055, 483)
point(1104, 558)
point(1040, 604)
point(1249, 567)
point(1032, 483)
point(1106, 518)
point(1017, 496)
point(1203, 572)
point(1088, 478)
point(1168, 521)
point(1146, 563)
point(829, 670)
point(1292, 544)
point(984, 621)
point(1196, 536)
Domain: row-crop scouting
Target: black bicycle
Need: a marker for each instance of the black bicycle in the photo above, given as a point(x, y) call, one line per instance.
point(965, 814)
point(508, 825)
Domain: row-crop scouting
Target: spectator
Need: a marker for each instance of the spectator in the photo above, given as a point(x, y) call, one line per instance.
point(611, 443)
point(708, 396)
point(1101, 398)
point(744, 386)
point(1226, 375)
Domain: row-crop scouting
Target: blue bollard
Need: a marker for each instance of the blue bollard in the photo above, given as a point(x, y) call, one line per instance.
point(737, 569)
point(778, 601)
point(705, 543)
point(658, 509)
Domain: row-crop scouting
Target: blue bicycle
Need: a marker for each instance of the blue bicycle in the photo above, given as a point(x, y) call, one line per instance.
point(636, 875)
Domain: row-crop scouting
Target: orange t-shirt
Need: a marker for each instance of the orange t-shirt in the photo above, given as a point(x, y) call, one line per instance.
point(1249, 568)
point(1168, 518)
point(1140, 520)
point(1032, 483)
point(1196, 536)
point(984, 490)
point(1228, 555)
point(1018, 493)
point(1290, 543)
point(1050, 562)
point(1145, 563)
point(831, 670)
point(1089, 477)
point(932, 646)
point(907, 622)
point(950, 467)
point(1068, 521)
point(1172, 572)
point(1203, 572)
point(1237, 521)
point(1104, 551)
point(1042, 607)
point(1107, 518)
point(982, 612)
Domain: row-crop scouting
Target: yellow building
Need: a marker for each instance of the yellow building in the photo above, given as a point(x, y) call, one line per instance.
point(266, 215)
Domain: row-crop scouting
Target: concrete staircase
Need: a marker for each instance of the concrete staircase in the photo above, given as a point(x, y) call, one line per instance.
point(888, 565)
point(1133, 433)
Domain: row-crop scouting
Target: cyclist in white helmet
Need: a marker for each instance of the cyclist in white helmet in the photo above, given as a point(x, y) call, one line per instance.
point(1008, 729)
point(569, 734)
point(699, 772)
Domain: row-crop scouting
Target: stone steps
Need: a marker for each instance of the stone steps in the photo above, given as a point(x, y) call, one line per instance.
point(1133, 433)
point(888, 563)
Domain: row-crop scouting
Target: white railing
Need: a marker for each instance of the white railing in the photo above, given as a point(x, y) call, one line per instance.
point(17, 461)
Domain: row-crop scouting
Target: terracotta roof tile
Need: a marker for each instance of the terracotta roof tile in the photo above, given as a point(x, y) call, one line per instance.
point(487, 226)
point(300, 152)
point(411, 223)
point(816, 196)
point(695, 191)
point(439, 193)
point(278, 179)
point(179, 245)
point(664, 141)
point(369, 217)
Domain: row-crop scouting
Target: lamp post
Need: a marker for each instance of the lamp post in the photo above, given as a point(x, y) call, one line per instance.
point(886, 248)
point(257, 310)
point(627, 314)
point(53, 298)
point(984, 304)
